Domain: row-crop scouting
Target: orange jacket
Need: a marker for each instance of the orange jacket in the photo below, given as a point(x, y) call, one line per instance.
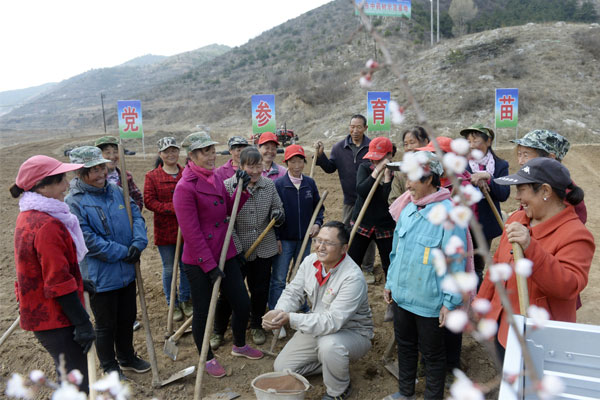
point(561, 249)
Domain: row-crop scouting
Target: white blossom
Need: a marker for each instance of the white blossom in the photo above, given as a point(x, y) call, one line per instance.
point(463, 388)
point(550, 386)
point(365, 81)
point(37, 376)
point(454, 163)
point(75, 377)
point(15, 387)
point(438, 214)
point(66, 391)
point(481, 306)
point(461, 215)
point(456, 321)
point(411, 165)
point(466, 281)
point(471, 194)
point(538, 315)
point(501, 271)
point(523, 267)
point(449, 284)
point(477, 154)
point(397, 113)
point(371, 63)
point(455, 245)
point(113, 385)
point(460, 146)
point(439, 261)
point(487, 328)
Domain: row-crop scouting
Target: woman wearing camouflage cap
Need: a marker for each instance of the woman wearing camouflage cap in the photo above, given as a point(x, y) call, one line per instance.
point(236, 144)
point(114, 248)
point(110, 151)
point(545, 143)
point(551, 236)
point(159, 187)
point(483, 172)
point(203, 205)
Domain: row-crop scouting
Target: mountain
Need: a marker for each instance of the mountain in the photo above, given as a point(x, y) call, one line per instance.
point(312, 64)
point(143, 60)
point(11, 99)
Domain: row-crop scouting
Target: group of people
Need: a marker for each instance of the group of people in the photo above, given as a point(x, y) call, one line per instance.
point(86, 242)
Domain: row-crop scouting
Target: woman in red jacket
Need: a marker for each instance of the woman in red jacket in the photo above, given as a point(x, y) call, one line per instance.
point(159, 187)
point(203, 205)
point(552, 237)
point(49, 245)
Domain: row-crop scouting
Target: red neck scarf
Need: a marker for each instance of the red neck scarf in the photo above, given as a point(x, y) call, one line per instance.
point(319, 274)
point(207, 174)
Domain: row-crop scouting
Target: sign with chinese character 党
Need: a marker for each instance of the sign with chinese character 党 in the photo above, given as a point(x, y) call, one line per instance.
point(507, 108)
point(386, 8)
point(130, 119)
point(378, 111)
point(263, 113)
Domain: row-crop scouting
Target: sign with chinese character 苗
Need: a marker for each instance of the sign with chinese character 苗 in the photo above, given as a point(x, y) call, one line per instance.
point(130, 119)
point(386, 8)
point(378, 111)
point(263, 113)
point(507, 108)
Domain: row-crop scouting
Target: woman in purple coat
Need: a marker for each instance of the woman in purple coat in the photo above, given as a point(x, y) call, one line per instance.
point(202, 206)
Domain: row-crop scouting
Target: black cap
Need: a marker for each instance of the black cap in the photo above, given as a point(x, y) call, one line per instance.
point(540, 170)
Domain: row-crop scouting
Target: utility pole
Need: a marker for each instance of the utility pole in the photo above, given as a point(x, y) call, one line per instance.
point(438, 21)
point(431, 2)
point(103, 116)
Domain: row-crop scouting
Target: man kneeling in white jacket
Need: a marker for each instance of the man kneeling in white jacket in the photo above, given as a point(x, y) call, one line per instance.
point(339, 327)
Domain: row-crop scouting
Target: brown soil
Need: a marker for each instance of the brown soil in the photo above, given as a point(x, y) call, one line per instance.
point(22, 353)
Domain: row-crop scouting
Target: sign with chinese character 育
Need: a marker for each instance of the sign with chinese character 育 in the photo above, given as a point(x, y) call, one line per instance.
point(263, 113)
point(386, 8)
point(507, 108)
point(378, 111)
point(130, 119)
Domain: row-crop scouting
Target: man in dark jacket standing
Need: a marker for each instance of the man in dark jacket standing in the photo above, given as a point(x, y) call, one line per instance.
point(346, 155)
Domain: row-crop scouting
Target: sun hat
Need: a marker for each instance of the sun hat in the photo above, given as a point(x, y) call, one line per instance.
point(378, 148)
point(89, 156)
point(543, 139)
point(444, 143)
point(293, 150)
point(267, 137)
point(236, 141)
point(36, 168)
point(478, 128)
point(540, 170)
point(166, 142)
point(197, 140)
point(106, 140)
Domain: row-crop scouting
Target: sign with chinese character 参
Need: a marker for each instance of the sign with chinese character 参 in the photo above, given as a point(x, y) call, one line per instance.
point(378, 111)
point(263, 113)
point(386, 8)
point(130, 119)
point(507, 108)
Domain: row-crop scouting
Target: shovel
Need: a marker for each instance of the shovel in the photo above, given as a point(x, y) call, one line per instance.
point(174, 284)
point(10, 330)
point(363, 210)
point(171, 348)
point(91, 360)
point(156, 382)
point(312, 165)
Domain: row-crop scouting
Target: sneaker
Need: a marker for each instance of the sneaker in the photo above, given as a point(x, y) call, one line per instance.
point(342, 396)
point(398, 396)
point(369, 277)
point(187, 308)
point(247, 352)
point(216, 340)
point(258, 336)
point(214, 369)
point(136, 325)
point(282, 333)
point(136, 365)
point(177, 314)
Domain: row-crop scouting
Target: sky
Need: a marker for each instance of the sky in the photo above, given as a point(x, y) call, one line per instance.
point(51, 40)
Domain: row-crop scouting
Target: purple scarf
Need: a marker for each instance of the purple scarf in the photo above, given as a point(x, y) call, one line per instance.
point(59, 210)
point(206, 174)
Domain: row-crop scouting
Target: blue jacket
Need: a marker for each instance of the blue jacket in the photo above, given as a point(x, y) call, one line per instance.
point(498, 193)
point(299, 205)
point(343, 160)
point(105, 225)
point(411, 276)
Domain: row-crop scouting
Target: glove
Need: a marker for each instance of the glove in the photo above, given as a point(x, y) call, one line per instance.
point(84, 335)
point(240, 173)
point(242, 259)
point(133, 255)
point(89, 286)
point(214, 274)
point(279, 216)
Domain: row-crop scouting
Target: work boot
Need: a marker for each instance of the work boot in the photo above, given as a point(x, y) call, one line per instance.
point(258, 336)
point(346, 394)
point(216, 340)
point(187, 308)
point(177, 314)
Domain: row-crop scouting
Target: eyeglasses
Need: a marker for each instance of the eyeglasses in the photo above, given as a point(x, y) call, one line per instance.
point(327, 243)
